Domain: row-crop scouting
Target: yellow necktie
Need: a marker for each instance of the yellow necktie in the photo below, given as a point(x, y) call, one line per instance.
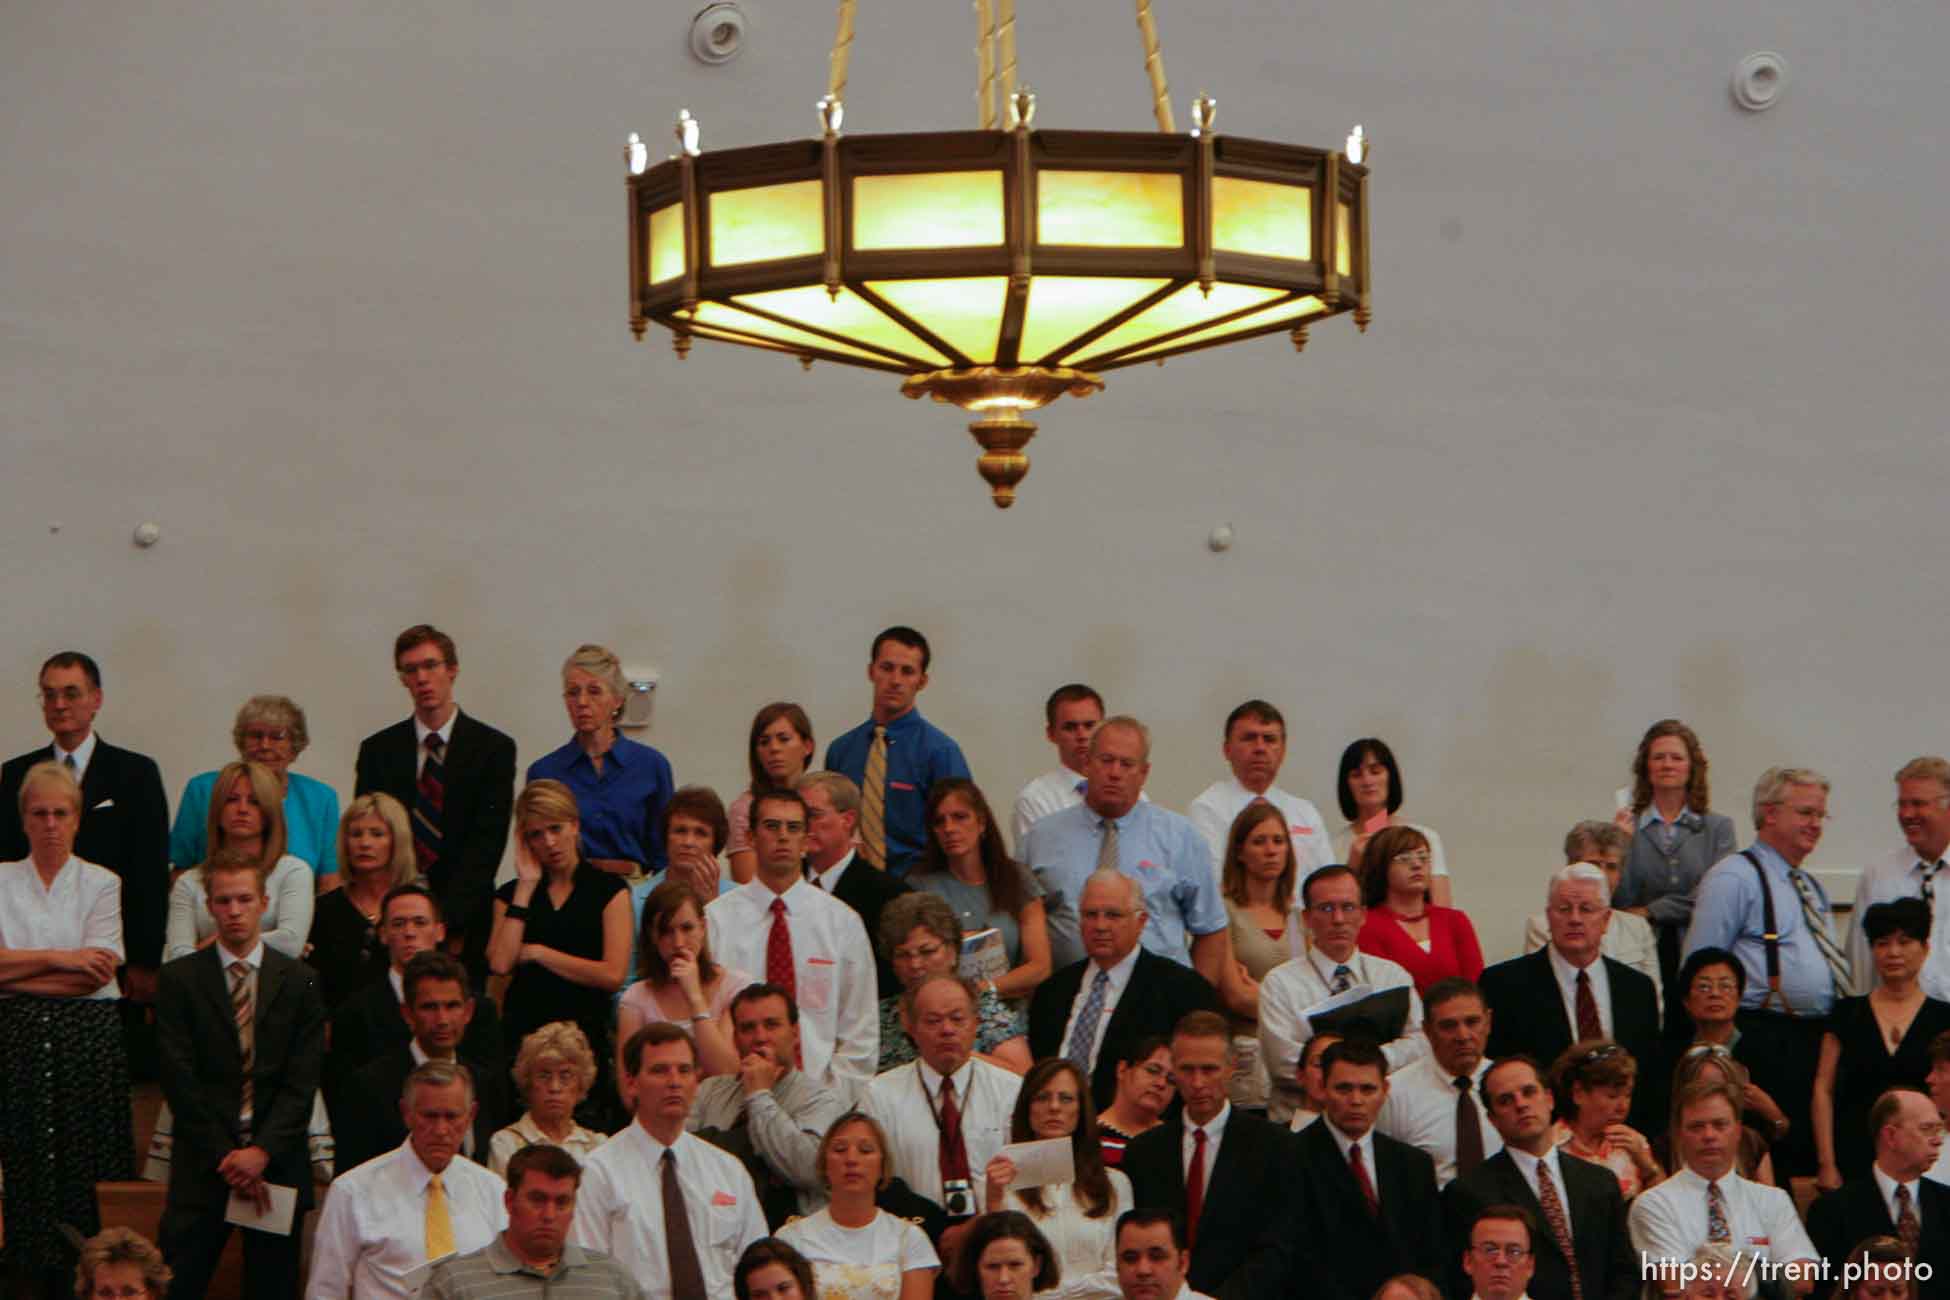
point(873, 803)
point(440, 1224)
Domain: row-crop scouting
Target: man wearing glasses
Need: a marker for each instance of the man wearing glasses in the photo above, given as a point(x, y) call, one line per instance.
point(124, 827)
point(1498, 1260)
point(1793, 977)
point(1569, 991)
point(1912, 871)
point(806, 942)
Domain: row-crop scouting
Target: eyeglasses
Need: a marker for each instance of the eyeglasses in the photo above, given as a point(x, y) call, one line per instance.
point(1337, 909)
point(1413, 858)
point(776, 826)
point(1715, 986)
point(1506, 1250)
point(266, 735)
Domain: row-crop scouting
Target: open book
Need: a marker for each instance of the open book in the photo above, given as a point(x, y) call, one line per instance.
point(984, 956)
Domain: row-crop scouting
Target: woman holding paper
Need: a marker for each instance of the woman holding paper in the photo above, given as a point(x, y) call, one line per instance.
point(1370, 788)
point(1077, 1215)
point(857, 1250)
point(965, 864)
point(1405, 924)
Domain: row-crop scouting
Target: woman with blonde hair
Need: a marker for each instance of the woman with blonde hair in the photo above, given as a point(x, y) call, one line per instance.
point(270, 730)
point(246, 818)
point(375, 852)
point(562, 930)
point(65, 1122)
point(857, 1250)
point(117, 1263)
point(554, 1071)
point(620, 786)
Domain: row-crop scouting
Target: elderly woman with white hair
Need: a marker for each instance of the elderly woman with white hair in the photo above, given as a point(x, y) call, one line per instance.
point(65, 1124)
point(621, 787)
point(554, 1071)
point(270, 729)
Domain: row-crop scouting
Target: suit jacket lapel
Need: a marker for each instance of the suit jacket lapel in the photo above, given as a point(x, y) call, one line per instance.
point(1547, 987)
point(1133, 990)
point(216, 989)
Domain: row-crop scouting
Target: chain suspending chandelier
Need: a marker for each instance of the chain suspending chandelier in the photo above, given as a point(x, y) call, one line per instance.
point(1000, 268)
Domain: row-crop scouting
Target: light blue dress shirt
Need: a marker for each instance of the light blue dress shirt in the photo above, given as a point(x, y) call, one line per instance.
point(1727, 914)
point(1156, 847)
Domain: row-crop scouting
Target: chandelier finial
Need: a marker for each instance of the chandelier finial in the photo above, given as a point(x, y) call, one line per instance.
point(636, 154)
point(1357, 145)
point(1204, 110)
point(1022, 109)
point(686, 132)
point(831, 113)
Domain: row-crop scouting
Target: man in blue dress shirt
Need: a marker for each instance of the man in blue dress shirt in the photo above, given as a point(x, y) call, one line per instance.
point(1161, 850)
point(896, 755)
point(1783, 1012)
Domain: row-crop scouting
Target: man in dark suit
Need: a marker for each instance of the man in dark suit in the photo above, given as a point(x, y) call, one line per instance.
point(1908, 1135)
point(456, 779)
point(1230, 1175)
point(1092, 1011)
point(1367, 1201)
point(1519, 1105)
point(242, 1034)
point(439, 1004)
point(124, 827)
point(1568, 990)
point(370, 1023)
point(832, 817)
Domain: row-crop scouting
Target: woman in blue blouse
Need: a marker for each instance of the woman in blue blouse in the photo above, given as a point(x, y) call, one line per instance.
point(270, 729)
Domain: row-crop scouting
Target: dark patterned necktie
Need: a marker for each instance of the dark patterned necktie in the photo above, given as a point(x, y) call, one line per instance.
point(1908, 1227)
point(429, 804)
point(1718, 1228)
point(686, 1272)
point(1588, 1026)
point(1560, 1225)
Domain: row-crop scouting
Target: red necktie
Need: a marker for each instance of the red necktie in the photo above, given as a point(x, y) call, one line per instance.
point(1588, 1026)
point(778, 952)
point(1360, 1168)
point(1195, 1188)
point(954, 1154)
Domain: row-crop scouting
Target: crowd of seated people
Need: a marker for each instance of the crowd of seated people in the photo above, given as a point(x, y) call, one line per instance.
point(846, 1041)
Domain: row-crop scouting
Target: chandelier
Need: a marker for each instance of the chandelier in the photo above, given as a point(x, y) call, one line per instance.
point(1000, 268)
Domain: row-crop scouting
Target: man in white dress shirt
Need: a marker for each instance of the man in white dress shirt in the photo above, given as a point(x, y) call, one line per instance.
point(1070, 715)
point(1429, 1099)
point(388, 1221)
point(1628, 937)
point(1333, 912)
point(1913, 871)
point(672, 1209)
point(1499, 1260)
point(786, 931)
point(947, 1113)
point(1151, 1257)
point(1254, 747)
point(1706, 1201)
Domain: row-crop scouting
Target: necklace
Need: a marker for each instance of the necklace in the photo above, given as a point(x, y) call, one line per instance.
point(1399, 915)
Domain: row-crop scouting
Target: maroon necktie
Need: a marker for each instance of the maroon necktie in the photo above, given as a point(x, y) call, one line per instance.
point(778, 952)
point(1559, 1225)
point(1588, 1026)
point(1195, 1189)
point(430, 804)
point(954, 1154)
point(1360, 1168)
point(1469, 1128)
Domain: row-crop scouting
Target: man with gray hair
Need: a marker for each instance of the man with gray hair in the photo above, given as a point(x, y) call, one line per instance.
point(1628, 937)
point(1185, 917)
point(1568, 990)
point(388, 1221)
point(1771, 914)
point(1093, 1010)
point(1912, 871)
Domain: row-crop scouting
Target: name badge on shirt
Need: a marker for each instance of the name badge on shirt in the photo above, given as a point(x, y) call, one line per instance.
point(816, 984)
point(1299, 828)
point(1146, 864)
point(722, 1199)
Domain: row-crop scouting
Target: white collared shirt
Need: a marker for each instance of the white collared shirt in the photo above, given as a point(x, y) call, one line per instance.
point(1668, 1221)
point(904, 1101)
point(1887, 1186)
point(81, 909)
point(372, 1234)
point(620, 1207)
point(829, 880)
point(1293, 988)
point(833, 966)
point(1215, 1133)
point(1527, 1166)
point(1567, 989)
point(1899, 874)
point(1343, 1143)
point(1119, 976)
point(1048, 793)
point(420, 733)
point(81, 754)
point(1214, 810)
point(1421, 1111)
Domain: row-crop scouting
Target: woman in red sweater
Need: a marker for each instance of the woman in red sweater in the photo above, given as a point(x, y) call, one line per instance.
point(1431, 943)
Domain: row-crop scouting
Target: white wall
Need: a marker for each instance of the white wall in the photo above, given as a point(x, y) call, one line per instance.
point(1647, 423)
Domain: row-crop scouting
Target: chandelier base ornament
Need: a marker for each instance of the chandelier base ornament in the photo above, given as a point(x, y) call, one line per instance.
point(997, 269)
point(1000, 396)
